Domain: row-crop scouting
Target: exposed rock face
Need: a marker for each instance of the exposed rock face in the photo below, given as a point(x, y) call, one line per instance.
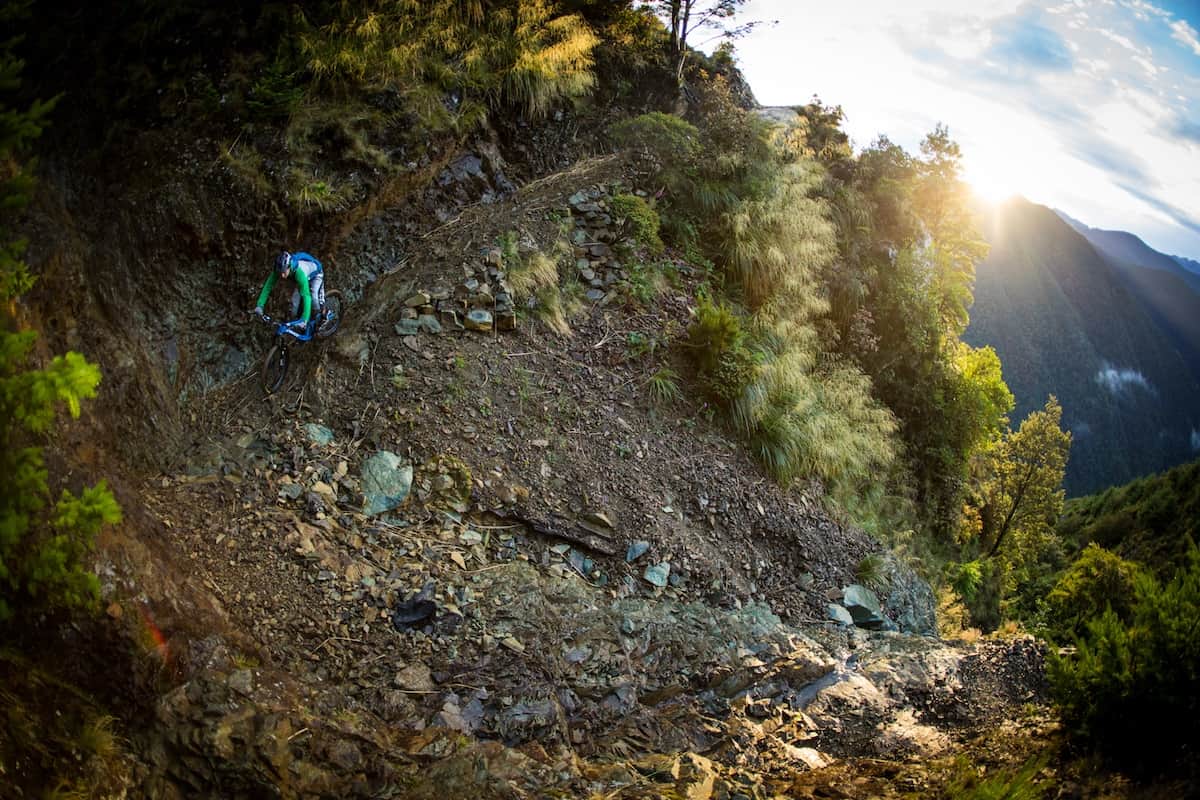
point(686, 675)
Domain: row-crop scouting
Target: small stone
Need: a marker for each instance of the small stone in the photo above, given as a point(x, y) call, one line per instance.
point(242, 681)
point(479, 320)
point(506, 321)
point(636, 550)
point(657, 574)
point(415, 678)
point(386, 481)
point(345, 754)
point(408, 327)
point(595, 295)
point(418, 299)
point(429, 324)
point(839, 614)
point(598, 518)
point(495, 257)
point(512, 643)
point(291, 491)
point(318, 434)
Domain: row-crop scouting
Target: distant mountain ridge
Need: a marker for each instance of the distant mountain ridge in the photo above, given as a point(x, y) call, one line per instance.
point(1070, 321)
point(1169, 290)
point(1188, 264)
point(1131, 250)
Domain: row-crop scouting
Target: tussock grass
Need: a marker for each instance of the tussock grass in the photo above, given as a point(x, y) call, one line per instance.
point(530, 276)
point(524, 55)
point(663, 386)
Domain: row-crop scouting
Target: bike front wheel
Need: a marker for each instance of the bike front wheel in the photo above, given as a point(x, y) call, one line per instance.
point(274, 368)
point(333, 315)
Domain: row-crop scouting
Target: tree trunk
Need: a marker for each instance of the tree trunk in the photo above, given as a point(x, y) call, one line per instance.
point(1012, 512)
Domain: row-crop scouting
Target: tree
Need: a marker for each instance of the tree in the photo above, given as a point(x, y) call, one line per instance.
point(41, 552)
point(686, 17)
point(1024, 495)
point(942, 201)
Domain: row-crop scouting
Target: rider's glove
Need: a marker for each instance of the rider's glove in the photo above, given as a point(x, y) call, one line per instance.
point(258, 311)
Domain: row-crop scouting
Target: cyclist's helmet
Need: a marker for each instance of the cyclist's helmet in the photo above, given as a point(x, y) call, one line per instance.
point(283, 263)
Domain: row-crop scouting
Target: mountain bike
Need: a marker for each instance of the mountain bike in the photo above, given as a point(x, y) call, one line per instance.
point(275, 365)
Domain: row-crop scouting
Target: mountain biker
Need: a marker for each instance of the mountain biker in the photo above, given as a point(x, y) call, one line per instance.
point(310, 284)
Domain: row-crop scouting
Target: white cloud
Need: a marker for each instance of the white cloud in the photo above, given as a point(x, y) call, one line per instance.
point(1124, 41)
point(1147, 65)
point(1185, 33)
point(1117, 380)
point(1142, 10)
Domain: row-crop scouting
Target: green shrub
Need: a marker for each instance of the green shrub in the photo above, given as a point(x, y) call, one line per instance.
point(717, 330)
point(1097, 580)
point(276, 93)
point(635, 218)
point(1129, 690)
point(669, 140)
point(970, 783)
point(41, 552)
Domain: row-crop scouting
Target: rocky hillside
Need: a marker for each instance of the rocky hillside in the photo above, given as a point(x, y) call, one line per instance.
point(463, 550)
point(493, 539)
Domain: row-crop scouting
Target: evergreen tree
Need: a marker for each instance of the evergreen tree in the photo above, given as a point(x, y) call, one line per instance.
point(1024, 495)
point(41, 549)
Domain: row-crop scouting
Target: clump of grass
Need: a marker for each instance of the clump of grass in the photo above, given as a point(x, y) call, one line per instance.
point(310, 193)
point(530, 276)
point(871, 571)
point(967, 782)
point(663, 386)
point(247, 165)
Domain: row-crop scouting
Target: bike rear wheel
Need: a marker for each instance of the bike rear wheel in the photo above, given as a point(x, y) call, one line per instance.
point(333, 315)
point(274, 368)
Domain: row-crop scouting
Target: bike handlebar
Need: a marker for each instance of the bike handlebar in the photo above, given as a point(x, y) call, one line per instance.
point(286, 329)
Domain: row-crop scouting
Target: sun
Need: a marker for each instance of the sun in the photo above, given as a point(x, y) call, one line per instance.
point(993, 180)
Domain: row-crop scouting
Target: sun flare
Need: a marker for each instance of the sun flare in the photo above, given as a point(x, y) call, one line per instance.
point(992, 179)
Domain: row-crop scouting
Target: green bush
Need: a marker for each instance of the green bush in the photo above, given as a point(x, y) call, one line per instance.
point(41, 553)
point(716, 331)
point(636, 219)
point(668, 140)
point(1097, 580)
point(276, 93)
point(1129, 690)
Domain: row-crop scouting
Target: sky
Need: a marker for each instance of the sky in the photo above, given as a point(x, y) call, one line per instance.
point(1088, 106)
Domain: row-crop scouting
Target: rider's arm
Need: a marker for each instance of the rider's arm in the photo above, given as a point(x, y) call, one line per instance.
point(266, 290)
point(305, 294)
